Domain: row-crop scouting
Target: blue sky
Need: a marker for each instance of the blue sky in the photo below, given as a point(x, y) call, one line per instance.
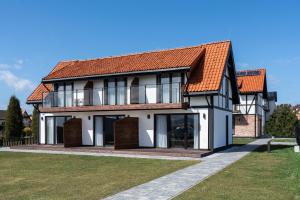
point(35, 35)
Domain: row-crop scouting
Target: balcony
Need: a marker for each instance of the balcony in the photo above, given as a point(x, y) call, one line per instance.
point(164, 96)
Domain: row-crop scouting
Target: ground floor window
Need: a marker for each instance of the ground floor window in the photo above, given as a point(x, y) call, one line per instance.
point(55, 129)
point(177, 131)
point(104, 129)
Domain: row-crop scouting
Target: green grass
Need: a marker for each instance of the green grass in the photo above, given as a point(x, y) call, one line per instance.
point(284, 140)
point(260, 175)
point(42, 176)
point(242, 141)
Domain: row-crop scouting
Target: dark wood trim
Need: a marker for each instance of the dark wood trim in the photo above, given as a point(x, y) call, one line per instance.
point(227, 129)
point(211, 125)
point(254, 99)
point(246, 104)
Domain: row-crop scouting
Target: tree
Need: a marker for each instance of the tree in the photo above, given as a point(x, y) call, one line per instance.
point(14, 119)
point(282, 122)
point(35, 124)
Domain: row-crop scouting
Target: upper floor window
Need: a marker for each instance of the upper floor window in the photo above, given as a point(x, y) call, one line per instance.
point(63, 94)
point(115, 91)
point(169, 87)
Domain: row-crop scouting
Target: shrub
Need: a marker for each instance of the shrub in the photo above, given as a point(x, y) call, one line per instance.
point(282, 122)
point(27, 131)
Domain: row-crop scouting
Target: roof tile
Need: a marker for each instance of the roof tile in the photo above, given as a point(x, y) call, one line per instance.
point(207, 64)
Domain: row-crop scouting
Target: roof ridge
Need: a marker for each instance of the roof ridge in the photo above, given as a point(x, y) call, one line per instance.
point(145, 52)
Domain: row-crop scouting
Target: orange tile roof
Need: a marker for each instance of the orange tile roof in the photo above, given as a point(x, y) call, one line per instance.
point(38, 92)
point(174, 58)
point(206, 61)
point(252, 83)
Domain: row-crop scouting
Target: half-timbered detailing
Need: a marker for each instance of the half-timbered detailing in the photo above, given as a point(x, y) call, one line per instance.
point(179, 98)
point(251, 114)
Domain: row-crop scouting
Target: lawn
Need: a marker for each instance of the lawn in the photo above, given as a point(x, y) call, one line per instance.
point(43, 176)
point(260, 175)
point(242, 141)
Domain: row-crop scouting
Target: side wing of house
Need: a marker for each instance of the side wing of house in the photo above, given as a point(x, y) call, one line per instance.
point(250, 114)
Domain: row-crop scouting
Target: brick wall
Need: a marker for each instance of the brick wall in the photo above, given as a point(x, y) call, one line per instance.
point(244, 125)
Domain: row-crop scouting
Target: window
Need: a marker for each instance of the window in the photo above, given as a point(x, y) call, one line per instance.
point(169, 87)
point(62, 96)
point(115, 91)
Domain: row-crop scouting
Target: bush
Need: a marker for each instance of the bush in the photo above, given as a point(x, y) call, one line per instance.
point(282, 122)
point(27, 131)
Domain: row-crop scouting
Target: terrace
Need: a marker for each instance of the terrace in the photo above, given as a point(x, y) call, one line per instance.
point(162, 96)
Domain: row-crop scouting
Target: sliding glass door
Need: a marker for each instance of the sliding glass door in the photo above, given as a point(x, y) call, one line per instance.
point(177, 131)
point(49, 130)
point(104, 129)
point(55, 129)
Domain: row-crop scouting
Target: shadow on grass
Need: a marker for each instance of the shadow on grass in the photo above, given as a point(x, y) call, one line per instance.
point(258, 148)
point(264, 148)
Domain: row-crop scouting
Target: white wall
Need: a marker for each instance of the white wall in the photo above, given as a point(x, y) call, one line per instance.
point(220, 128)
point(146, 126)
point(199, 101)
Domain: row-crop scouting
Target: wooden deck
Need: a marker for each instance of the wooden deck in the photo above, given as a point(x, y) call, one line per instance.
point(174, 152)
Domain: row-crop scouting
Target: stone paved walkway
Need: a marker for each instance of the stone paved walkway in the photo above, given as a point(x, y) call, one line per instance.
point(171, 185)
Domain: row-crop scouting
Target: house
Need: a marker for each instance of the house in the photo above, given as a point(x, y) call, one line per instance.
point(296, 110)
point(175, 98)
point(256, 104)
point(272, 99)
point(26, 118)
point(2, 122)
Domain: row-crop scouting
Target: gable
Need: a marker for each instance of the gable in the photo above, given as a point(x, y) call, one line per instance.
point(252, 81)
point(206, 64)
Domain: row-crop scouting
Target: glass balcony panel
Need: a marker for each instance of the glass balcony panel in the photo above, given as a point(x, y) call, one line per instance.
point(141, 94)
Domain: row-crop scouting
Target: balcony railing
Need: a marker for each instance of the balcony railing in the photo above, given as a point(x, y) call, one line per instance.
point(141, 94)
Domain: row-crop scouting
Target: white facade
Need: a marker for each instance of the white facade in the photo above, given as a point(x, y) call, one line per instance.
point(214, 111)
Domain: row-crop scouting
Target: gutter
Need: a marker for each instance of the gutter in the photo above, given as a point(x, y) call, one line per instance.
point(33, 102)
point(200, 93)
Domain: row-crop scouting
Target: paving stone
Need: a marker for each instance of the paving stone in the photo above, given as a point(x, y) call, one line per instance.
point(171, 185)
